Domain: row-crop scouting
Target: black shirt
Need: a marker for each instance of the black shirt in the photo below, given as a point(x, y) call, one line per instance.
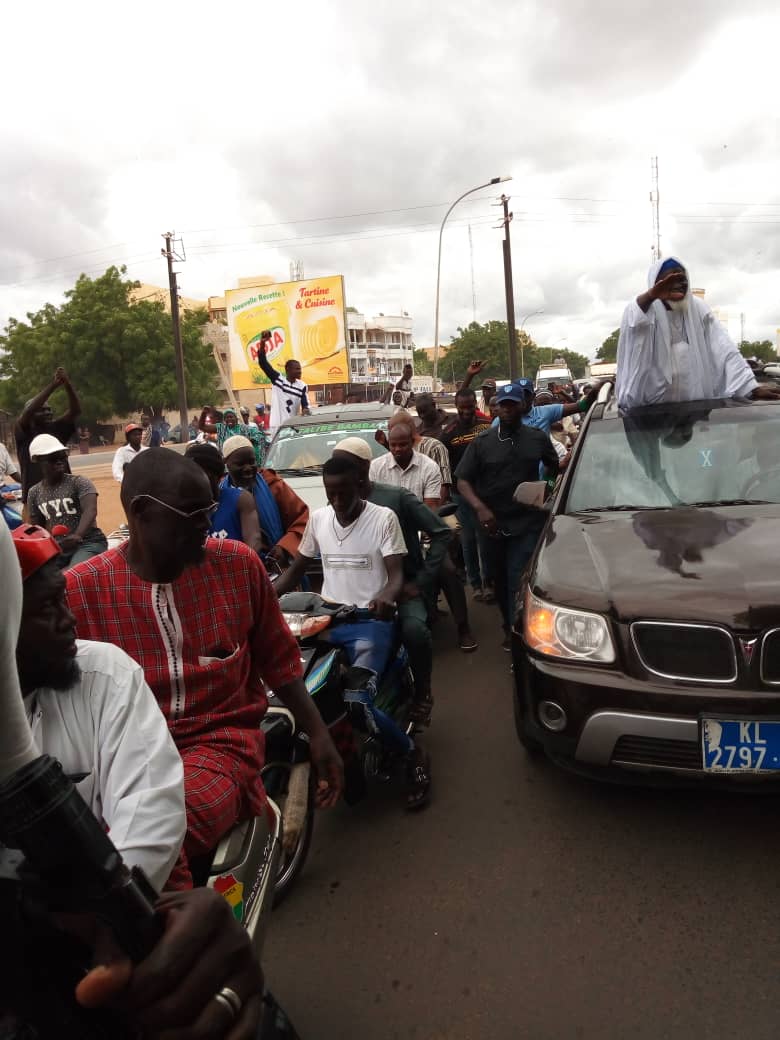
point(62, 429)
point(414, 516)
point(458, 437)
point(495, 463)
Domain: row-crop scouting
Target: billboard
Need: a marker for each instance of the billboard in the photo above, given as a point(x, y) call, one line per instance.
point(307, 321)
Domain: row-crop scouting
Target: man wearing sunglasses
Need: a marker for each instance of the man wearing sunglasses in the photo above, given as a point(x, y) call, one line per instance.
point(168, 597)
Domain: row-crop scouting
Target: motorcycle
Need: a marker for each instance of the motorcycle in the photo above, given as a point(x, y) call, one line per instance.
point(287, 774)
point(11, 496)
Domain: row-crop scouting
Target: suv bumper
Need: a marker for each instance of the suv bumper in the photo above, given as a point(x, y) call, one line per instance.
point(618, 728)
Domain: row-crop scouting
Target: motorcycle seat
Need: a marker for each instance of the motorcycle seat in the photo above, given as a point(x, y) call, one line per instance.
point(313, 604)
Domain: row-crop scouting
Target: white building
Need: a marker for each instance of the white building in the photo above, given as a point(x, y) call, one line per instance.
point(378, 347)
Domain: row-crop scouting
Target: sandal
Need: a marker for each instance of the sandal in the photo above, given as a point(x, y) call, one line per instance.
point(490, 596)
point(418, 779)
point(479, 595)
point(420, 711)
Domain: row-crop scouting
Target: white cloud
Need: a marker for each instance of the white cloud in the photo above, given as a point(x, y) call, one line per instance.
point(233, 124)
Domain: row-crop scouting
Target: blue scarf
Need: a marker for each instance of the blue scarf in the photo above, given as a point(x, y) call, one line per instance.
point(267, 511)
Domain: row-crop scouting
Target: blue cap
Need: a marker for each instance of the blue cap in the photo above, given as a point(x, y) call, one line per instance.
point(518, 391)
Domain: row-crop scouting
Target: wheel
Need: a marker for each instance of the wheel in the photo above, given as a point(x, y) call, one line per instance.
point(533, 747)
point(276, 778)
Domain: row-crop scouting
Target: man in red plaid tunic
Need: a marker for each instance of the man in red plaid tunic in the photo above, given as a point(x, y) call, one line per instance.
point(202, 620)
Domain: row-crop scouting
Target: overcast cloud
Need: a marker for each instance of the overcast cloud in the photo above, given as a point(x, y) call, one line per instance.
point(338, 134)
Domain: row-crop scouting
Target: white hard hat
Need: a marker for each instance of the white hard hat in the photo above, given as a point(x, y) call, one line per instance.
point(45, 444)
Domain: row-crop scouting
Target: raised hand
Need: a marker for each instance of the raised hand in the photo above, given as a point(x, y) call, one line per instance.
point(672, 286)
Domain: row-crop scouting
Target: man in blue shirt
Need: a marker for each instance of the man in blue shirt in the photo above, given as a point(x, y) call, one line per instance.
point(543, 416)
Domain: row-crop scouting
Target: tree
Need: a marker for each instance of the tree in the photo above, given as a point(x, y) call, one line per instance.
point(489, 343)
point(421, 363)
point(608, 349)
point(118, 354)
point(763, 350)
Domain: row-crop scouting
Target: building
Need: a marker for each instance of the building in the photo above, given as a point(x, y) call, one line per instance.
point(154, 292)
point(379, 347)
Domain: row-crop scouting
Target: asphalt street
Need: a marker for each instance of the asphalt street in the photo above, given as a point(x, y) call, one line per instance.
point(527, 903)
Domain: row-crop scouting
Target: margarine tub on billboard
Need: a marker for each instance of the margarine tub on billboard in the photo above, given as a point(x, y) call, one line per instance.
point(307, 322)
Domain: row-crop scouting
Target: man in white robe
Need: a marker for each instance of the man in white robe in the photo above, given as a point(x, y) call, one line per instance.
point(673, 348)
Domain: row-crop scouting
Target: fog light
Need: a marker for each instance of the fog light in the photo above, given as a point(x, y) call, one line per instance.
point(552, 716)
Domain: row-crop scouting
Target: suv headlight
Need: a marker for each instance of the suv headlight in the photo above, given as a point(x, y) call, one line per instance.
point(560, 632)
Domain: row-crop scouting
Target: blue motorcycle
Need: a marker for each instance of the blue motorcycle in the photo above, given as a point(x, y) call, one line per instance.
point(287, 775)
point(11, 497)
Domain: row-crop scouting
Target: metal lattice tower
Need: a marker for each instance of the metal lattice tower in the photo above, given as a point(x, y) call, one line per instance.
point(296, 270)
point(654, 206)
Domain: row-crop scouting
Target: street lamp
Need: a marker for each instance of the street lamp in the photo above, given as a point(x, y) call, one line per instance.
point(522, 345)
point(493, 180)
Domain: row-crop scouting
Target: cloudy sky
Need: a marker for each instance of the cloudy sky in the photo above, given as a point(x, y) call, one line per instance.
point(337, 134)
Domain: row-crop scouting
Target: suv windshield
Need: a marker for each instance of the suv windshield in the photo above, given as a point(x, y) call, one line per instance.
point(305, 449)
point(655, 460)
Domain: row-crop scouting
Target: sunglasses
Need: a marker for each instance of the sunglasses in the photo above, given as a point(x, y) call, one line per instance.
point(207, 511)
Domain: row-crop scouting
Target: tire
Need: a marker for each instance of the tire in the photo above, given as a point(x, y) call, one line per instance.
point(292, 863)
point(532, 747)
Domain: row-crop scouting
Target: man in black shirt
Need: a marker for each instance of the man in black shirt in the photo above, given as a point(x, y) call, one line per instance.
point(456, 439)
point(37, 418)
point(493, 465)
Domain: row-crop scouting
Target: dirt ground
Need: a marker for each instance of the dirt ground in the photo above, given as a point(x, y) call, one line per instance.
point(110, 512)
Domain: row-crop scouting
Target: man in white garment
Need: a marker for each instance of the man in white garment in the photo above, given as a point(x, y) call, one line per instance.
point(673, 348)
point(125, 454)
point(90, 708)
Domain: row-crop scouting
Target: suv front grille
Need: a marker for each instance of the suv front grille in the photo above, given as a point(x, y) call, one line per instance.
point(770, 657)
point(696, 653)
point(653, 751)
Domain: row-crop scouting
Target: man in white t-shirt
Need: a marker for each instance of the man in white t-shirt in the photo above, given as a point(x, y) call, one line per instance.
point(289, 390)
point(125, 454)
point(9, 471)
point(362, 548)
point(404, 467)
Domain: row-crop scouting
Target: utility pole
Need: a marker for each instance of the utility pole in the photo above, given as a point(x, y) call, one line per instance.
point(509, 288)
point(178, 352)
point(473, 284)
point(741, 329)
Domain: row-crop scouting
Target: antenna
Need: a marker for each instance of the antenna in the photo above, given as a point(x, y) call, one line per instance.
point(654, 205)
point(473, 284)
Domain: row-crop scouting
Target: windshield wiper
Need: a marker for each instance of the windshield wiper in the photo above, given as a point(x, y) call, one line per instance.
point(735, 502)
point(617, 509)
point(306, 471)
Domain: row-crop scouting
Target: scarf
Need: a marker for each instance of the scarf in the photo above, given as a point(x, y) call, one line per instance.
point(267, 511)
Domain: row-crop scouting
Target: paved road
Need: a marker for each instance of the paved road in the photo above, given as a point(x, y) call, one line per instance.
point(526, 903)
point(104, 458)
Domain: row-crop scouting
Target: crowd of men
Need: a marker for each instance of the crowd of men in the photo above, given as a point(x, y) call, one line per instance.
point(141, 675)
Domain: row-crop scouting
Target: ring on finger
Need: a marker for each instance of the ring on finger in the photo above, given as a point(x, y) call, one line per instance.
point(230, 1001)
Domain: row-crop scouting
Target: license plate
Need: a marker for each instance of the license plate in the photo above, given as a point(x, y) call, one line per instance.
point(740, 746)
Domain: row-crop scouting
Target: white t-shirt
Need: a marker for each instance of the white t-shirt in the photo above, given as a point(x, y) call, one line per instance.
point(353, 558)
point(123, 457)
point(422, 476)
point(287, 399)
point(7, 465)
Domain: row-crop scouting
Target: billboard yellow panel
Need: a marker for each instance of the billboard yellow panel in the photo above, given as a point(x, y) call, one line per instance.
point(307, 321)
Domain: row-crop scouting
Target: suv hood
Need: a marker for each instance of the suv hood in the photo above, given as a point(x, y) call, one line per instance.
point(309, 488)
point(697, 564)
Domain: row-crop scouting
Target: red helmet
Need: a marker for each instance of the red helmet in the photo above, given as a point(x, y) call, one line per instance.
point(34, 547)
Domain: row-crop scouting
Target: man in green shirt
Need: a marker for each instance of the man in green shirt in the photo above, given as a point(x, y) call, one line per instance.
point(420, 570)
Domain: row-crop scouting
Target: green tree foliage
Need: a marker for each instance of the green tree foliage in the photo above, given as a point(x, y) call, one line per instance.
point(118, 354)
point(489, 343)
point(422, 364)
point(608, 349)
point(763, 350)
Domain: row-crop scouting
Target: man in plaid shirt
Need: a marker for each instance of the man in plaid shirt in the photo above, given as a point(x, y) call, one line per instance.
point(202, 620)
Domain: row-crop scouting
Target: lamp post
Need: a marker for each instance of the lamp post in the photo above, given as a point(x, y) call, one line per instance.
point(479, 187)
point(522, 345)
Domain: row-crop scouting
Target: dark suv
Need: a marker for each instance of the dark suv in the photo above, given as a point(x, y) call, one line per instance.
point(648, 634)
